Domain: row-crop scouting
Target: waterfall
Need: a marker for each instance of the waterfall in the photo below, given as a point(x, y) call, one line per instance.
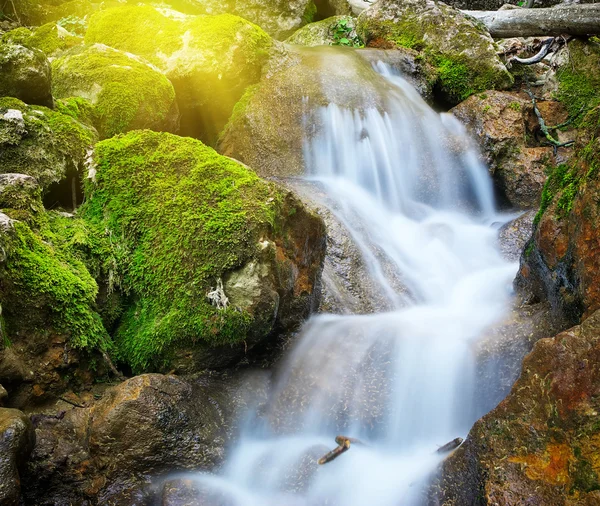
point(407, 184)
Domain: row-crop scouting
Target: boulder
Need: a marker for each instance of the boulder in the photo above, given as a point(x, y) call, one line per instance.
point(121, 449)
point(541, 443)
point(126, 92)
point(560, 263)
point(214, 259)
point(52, 39)
point(19, 192)
point(505, 127)
point(24, 74)
point(514, 235)
point(16, 443)
point(45, 144)
point(273, 120)
point(210, 60)
point(459, 48)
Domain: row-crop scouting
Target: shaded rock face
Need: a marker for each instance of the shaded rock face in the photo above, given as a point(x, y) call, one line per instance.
point(210, 60)
point(504, 126)
point(24, 74)
point(269, 125)
point(460, 49)
point(126, 93)
point(16, 442)
point(142, 429)
point(44, 144)
point(560, 263)
point(253, 252)
point(540, 445)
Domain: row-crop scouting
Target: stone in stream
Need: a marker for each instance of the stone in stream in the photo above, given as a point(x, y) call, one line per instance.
point(16, 442)
point(452, 445)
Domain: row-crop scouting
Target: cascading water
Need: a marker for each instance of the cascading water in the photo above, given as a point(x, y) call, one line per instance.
point(408, 187)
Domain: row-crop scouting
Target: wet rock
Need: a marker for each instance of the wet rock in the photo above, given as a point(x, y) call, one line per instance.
point(273, 120)
point(324, 33)
point(505, 128)
point(514, 236)
point(140, 431)
point(541, 442)
point(560, 263)
point(458, 47)
point(210, 60)
point(16, 442)
point(126, 93)
point(24, 74)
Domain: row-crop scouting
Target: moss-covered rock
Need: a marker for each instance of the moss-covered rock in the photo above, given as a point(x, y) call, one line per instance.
point(210, 60)
point(126, 92)
point(42, 143)
point(334, 31)
point(458, 46)
point(186, 221)
point(24, 74)
point(50, 38)
point(541, 442)
point(268, 127)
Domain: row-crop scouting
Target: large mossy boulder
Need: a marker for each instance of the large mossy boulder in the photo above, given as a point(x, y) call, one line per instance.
point(333, 31)
point(562, 261)
point(214, 259)
point(24, 74)
point(45, 144)
point(210, 60)
point(541, 445)
point(507, 131)
point(459, 47)
point(16, 442)
point(274, 119)
point(126, 92)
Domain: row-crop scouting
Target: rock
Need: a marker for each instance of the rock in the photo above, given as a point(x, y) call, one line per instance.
point(210, 60)
point(52, 39)
point(505, 128)
point(48, 300)
point(3, 395)
point(126, 92)
point(457, 46)
point(541, 442)
point(328, 32)
point(272, 121)
point(560, 263)
point(16, 442)
point(138, 433)
point(205, 222)
point(20, 192)
point(45, 144)
point(24, 74)
point(514, 236)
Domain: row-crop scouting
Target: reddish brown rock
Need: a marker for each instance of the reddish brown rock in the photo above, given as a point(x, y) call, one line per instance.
point(541, 445)
point(507, 132)
point(562, 262)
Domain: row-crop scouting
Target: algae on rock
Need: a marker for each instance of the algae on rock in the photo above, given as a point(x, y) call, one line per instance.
point(182, 218)
point(126, 93)
point(210, 60)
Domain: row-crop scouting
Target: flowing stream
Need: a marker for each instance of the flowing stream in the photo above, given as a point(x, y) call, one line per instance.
point(409, 188)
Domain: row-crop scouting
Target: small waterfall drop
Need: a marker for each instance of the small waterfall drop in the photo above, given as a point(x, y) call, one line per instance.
point(408, 186)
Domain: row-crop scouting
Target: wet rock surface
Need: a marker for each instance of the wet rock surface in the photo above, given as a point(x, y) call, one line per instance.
point(514, 236)
point(140, 430)
point(541, 442)
point(16, 442)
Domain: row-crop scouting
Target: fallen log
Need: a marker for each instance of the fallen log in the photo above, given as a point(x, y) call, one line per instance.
point(343, 446)
point(571, 19)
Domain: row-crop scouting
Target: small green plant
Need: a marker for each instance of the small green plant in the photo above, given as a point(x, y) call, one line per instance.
point(515, 106)
point(73, 24)
point(343, 34)
point(487, 108)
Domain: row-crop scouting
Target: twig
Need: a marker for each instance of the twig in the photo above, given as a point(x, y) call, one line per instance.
point(555, 144)
point(344, 445)
point(569, 121)
point(539, 56)
point(72, 403)
point(15, 11)
point(112, 366)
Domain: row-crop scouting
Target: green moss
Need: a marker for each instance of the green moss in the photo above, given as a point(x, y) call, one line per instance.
point(78, 108)
point(38, 277)
point(309, 13)
point(179, 216)
point(515, 106)
point(579, 79)
point(126, 93)
point(17, 36)
point(52, 38)
point(585, 478)
point(51, 144)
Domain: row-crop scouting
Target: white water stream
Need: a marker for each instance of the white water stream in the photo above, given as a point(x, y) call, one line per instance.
point(409, 188)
